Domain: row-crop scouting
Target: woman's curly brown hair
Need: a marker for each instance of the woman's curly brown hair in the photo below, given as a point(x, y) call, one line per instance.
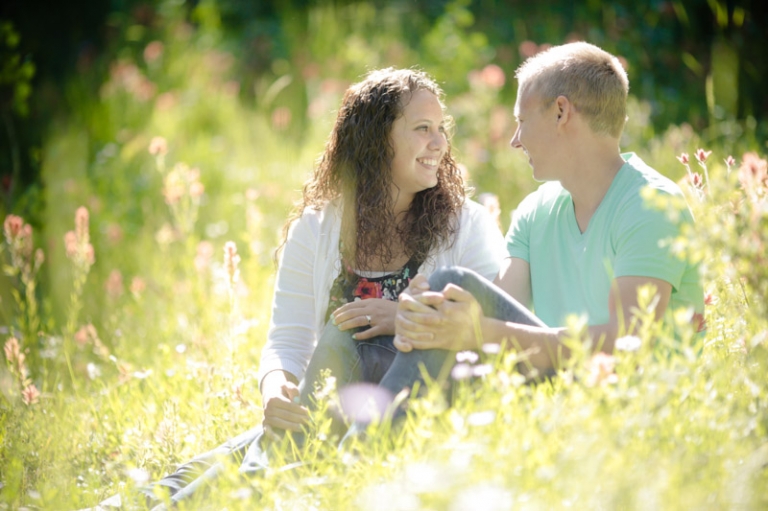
point(356, 167)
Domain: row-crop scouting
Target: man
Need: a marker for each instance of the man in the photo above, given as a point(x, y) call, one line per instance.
point(584, 243)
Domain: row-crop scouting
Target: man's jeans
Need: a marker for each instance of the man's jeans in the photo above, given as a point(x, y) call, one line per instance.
point(374, 361)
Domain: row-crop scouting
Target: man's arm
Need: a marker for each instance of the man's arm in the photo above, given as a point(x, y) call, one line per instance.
point(455, 322)
point(515, 278)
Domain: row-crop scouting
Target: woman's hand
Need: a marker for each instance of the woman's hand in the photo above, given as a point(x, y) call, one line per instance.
point(376, 312)
point(280, 397)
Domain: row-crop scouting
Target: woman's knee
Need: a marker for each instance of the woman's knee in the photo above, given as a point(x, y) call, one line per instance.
point(334, 339)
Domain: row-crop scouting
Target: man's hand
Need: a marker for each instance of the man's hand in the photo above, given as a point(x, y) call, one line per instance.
point(356, 315)
point(280, 397)
point(448, 320)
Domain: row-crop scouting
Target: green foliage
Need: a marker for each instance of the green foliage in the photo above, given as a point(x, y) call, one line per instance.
point(145, 355)
point(16, 72)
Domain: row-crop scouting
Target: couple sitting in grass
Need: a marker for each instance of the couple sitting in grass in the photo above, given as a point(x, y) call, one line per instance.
point(385, 216)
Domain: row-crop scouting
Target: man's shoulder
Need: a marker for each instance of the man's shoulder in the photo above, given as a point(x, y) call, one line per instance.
point(641, 175)
point(545, 195)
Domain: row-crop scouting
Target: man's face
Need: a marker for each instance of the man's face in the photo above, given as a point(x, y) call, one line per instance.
point(537, 135)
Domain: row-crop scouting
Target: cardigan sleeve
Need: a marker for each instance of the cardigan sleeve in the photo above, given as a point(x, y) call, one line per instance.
point(291, 335)
point(480, 242)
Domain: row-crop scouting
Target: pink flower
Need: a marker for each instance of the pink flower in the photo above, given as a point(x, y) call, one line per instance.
point(70, 243)
point(196, 189)
point(601, 367)
point(158, 146)
point(702, 155)
point(85, 334)
point(683, 158)
point(12, 227)
point(137, 286)
point(528, 49)
point(281, 118)
point(153, 51)
point(730, 162)
point(231, 261)
point(81, 224)
point(697, 181)
point(493, 76)
point(13, 352)
point(30, 394)
point(114, 284)
point(204, 255)
point(753, 171)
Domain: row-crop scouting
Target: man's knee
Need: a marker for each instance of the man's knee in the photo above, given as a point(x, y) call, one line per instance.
point(461, 277)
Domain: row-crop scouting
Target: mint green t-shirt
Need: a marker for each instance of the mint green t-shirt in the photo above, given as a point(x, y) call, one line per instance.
point(571, 272)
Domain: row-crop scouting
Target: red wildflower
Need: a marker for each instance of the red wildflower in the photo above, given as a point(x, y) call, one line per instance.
point(683, 158)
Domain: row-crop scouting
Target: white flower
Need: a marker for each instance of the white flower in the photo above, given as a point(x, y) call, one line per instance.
point(628, 343)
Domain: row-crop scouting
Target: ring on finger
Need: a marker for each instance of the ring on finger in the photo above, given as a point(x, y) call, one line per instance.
point(368, 318)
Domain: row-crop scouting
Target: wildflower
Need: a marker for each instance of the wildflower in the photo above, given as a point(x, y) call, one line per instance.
point(114, 233)
point(683, 158)
point(600, 368)
point(753, 172)
point(158, 146)
point(697, 181)
point(482, 370)
point(204, 255)
point(114, 284)
point(30, 394)
point(467, 356)
point(137, 286)
point(702, 155)
point(481, 418)
point(15, 357)
point(461, 371)
point(231, 262)
point(12, 227)
point(628, 343)
point(70, 244)
point(730, 162)
point(281, 118)
point(493, 76)
point(251, 194)
point(85, 334)
point(196, 189)
point(528, 49)
point(153, 51)
point(77, 243)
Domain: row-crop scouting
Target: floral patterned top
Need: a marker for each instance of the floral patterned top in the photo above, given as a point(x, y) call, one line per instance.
point(350, 287)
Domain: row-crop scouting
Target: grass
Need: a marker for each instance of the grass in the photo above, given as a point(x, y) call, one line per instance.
point(151, 359)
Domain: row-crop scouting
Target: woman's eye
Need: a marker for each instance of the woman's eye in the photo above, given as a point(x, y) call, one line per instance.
point(422, 128)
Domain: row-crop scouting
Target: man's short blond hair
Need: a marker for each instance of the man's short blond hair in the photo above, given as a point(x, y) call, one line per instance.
point(592, 79)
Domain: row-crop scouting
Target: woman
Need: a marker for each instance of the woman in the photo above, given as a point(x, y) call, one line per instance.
point(386, 201)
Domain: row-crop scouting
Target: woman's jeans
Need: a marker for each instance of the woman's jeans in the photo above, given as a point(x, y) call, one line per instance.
point(375, 361)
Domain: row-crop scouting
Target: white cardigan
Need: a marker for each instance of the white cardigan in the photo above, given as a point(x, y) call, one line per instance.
point(310, 262)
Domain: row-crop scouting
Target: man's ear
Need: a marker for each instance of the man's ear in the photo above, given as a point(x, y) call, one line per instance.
point(564, 109)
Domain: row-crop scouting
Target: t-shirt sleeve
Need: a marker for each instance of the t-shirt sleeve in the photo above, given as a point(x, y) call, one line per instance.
point(643, 239)
point(519, 234)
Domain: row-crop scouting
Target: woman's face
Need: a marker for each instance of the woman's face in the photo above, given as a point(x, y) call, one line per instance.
point(419, 142)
